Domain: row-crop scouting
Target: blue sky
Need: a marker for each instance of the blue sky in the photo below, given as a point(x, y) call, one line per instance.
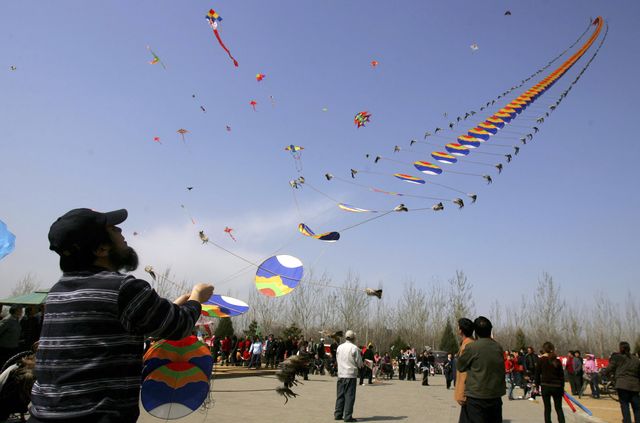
point(79, 114)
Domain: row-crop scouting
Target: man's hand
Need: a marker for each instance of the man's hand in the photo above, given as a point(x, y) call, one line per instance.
point(182, 299)
point(462, 401)
point(201, 292)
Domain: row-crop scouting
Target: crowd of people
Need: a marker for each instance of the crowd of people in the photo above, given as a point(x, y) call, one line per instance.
point(96, 315)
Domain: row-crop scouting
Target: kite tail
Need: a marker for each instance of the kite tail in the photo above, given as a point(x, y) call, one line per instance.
point(235, 62)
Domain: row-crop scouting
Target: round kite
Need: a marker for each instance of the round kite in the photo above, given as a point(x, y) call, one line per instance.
point(279, 275)
point(186, 350)
point(222, 306)
point(7, 241)
point(174, 390)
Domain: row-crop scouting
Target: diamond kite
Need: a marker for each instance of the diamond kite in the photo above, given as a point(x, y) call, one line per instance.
point(156, 59)
point(213, 18)
point(361, 118)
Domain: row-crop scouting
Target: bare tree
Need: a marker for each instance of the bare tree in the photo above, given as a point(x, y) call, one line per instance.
point(607, 327)
point(166, 286)
point(414, 316)
point(460, 296)
point(325, 313)
point(438, 313)
point(264, 310)
point(351, 303)
point(304, 301)
point(26, 285)
point(545, 309)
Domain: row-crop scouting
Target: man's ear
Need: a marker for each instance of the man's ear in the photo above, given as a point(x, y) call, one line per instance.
point(102, 250)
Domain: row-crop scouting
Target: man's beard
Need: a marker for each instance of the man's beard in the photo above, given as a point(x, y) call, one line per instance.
point(124, 260)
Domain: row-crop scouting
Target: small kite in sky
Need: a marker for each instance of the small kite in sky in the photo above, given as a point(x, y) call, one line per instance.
point(260, 76)
point(156, 59)
point(253, 104)
point(361, 118)
point(189, 188)
point(157, 139)
point(182, 131)
point(474, 47)
point(150, 271)
point(203, 109)
point(12, 68)
point(374, 63)
point(228, 230)
point(325, 109)
point(213, 18)
point(273, 100)
point(203, 237)
point(507, 13)
point(374, 292)
point(228, 128)
point(294, 150)
point(193, 221)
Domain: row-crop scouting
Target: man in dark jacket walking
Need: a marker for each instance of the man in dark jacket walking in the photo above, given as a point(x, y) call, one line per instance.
point(530, 366)
point(483, 363)
point(626, 370)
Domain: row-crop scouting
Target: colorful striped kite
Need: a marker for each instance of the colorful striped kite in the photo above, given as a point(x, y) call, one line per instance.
point(409, 178)
point(444, 157)
point(428, 168)
point(327, 236)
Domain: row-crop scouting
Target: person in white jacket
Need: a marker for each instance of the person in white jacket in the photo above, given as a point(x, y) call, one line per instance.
point(349, 362)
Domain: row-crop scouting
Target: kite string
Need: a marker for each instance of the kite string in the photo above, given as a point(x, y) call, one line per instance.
point(367, 220)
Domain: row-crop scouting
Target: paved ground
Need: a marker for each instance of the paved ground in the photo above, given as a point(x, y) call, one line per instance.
point(244, 399)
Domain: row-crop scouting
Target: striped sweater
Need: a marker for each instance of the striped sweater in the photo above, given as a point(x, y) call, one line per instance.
point(89, 359)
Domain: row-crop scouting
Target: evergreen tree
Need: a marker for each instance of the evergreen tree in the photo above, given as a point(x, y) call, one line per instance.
point(224, 328)
point(252, 330)
point(448, 342)
point(521, 339)
point(293, 331)
point(397, 345)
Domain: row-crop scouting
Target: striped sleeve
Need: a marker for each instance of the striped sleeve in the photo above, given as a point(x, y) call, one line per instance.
point(144, 312)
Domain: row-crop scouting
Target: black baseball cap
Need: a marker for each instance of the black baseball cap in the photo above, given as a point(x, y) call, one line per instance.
point(81, 228)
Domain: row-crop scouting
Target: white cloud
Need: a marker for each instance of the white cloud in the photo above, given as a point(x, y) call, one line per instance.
point(180, 248)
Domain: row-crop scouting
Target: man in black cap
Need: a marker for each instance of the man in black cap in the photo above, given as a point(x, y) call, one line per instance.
point(89, 361)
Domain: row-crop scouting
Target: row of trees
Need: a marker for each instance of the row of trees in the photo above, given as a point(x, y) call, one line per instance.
point(422, 313)
point(426, 315)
